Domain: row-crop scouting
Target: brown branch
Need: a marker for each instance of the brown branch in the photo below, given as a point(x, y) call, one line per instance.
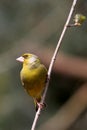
point(52, 63)
point(66, 64)
point(73, 66)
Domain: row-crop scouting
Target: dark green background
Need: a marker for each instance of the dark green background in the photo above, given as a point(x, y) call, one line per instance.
point(18, 21)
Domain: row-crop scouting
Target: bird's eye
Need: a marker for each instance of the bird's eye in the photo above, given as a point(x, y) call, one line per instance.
point(25, 56)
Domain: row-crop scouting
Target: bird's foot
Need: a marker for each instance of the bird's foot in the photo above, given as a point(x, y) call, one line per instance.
point(40, 105)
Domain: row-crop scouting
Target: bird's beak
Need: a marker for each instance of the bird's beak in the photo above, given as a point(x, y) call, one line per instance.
point(20, 59)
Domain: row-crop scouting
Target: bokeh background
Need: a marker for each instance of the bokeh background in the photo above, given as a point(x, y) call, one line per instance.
point(34, 26)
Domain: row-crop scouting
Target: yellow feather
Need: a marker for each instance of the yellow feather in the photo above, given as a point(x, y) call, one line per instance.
point(33, 76)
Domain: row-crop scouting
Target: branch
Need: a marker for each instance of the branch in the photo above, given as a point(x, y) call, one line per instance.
point(69, 112)
point(52, 63)
point(71, 66)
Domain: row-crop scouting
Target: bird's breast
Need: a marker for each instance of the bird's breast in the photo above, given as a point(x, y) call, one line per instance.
point(34, 80)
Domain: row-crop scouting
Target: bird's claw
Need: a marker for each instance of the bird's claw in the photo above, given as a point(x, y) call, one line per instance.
point(41, 105)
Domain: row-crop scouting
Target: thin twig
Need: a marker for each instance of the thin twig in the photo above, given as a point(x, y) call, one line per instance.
point(52, 63)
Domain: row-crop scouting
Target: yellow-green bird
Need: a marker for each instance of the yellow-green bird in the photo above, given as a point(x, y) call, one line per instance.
point(33, 76)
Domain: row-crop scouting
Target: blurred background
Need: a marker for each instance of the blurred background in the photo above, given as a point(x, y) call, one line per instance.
point(34, 26)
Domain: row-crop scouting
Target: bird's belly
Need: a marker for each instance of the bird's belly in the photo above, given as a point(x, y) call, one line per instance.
point(34, 80)
point(34, 88)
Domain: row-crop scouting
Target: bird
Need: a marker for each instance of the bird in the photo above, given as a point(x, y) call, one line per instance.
point(33, 76)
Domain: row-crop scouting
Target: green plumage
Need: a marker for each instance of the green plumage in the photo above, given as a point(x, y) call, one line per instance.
point(33, 76)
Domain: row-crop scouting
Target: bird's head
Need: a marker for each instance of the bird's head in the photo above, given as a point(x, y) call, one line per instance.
point(28, 58)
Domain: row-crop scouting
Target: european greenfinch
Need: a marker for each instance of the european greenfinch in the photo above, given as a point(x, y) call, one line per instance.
point(33, 76)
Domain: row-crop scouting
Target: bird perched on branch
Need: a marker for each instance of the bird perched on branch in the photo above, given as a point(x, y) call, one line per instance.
point(33, 76)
